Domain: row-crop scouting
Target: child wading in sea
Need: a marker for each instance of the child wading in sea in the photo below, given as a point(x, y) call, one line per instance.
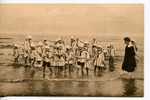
point(33, 55)
point(99, 60)
point(16, 53)
point(111, 54)
point(82, 59)
point(87, 62)
point(27, 50)
point(86, 57)
point(39, 59)
point(46, 60)
point(61, 63)
point(81, 62)
point(69, 58)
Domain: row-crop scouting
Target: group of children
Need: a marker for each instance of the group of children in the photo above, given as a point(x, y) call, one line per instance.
point(58, 57)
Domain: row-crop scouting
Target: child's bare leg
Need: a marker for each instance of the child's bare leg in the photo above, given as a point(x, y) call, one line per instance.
point(44, 68)
point(50, 68)
point(87, 71)
point(95, 67)
point(69, 69)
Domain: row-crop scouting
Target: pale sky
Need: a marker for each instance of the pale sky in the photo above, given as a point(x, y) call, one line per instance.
point(72, 19)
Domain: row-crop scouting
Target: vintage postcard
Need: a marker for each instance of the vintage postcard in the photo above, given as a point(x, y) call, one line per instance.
point(94, 50)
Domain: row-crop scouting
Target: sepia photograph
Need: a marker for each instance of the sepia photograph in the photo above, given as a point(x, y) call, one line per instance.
point(72, 50)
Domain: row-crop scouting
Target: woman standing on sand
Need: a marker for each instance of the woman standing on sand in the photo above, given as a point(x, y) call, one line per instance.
point(129, 62)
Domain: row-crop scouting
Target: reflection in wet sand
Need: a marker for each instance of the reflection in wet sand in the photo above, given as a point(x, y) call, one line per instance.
point(114, 86)
point(129, 87)
point(70, 88)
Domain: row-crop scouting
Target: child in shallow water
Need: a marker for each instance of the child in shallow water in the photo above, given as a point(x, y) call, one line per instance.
point(99, 61)
point(111, 54)
point(39, 59)
point(16, 53)
point(46, 60)
point(69, 59)
point(33, 55)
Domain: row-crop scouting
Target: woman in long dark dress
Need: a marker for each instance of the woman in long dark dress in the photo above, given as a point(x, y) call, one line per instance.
point(129, 62)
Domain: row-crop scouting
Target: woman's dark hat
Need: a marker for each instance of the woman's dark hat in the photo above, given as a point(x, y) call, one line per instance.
point(127, 39)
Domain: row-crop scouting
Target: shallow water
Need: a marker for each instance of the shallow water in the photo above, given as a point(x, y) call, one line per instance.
point(18, 80)
point(118, 87)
